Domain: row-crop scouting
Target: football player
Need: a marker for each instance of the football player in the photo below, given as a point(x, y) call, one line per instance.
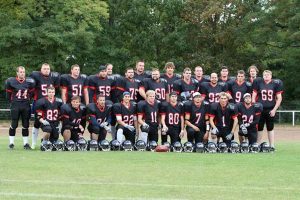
point(172, 120)
point(109, 69)
point(43, 79)
point(199, 75)
point(248, 116)
point(186, 84)
point(148, 111)
point(48, 114)
point(253, 71)
point(126, 118)
point(269, 92)
point(74, 84)
point(197, 119)
point(99, 114)
point(239, 87)
point(73, 119)
point(19, 91)
point(224, 75)
point(157, 84)
point(170, 76)
point(223, 119)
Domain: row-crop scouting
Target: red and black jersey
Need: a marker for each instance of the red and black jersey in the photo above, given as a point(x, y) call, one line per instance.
point(173, 114)
point(267, 92)
point(197, 113)
point(43, 82)
point(102, 86)
point(74, 86)
point(223, 117)
point(180, 86)
point(19, 90)
point(100, 114)
point(160, 87)
point(128, 114)
point(73, 117)
point(211, 93)
point(49, 110)
point(237, 90)
point(124, 84)
point(250, 114)
point(149, 112)
point(204, 78)
point(170, 80)
point(142, 76)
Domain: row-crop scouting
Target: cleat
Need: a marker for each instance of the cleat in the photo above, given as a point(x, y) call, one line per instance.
point(27, 147)
point(11, 146)
point(272, 149)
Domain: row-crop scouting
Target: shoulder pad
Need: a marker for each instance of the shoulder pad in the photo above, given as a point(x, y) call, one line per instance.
point(180, 103)
point(82, 107)
point(178, 75)
point(163, 80)
point(231, 106)
point(58, 100)
point(54, 74)
point(233, 78)
point(205, 103)
point(34, 74)
point(133, 103)
point(147, 72)
point(178, 82)
point(194, 80)
point(277, 81)
point(187, 103)
point(221, 84)
point(137, 80)
point(64, 75)
point(258, 105)
point(249, 84)
point(66, 107)
point(207, 77)
point(83, 75)
point(30, 80)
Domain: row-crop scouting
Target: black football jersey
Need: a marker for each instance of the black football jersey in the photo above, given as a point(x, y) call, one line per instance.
point(249, 115)
point(43, 82)
point(128, 115)
point(223, 117)
point(172, 113)
point(237, 90)
point(142, 76)
point(124, 84)
point(72, 116)
point(160, 88)
point(102, 86)
point(19, 91)
point(180, 86)
point(170, 80)
point(101, 115)
point(267, 92)
point(74, 86)
point(49, 110)
point(211, 93)
point(197, 113)
point(149, 112)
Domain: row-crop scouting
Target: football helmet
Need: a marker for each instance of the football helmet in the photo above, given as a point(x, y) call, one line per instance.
point(93, 145)
point(140, 145)
point(115, 145)
point(152, 145)
point(145, 128)
point(81, 144)
point(185, 96)
point(265, 147)
point(104, 145)
point(254, 148)
point(58, 145)
point(234, 147)
point(127, 145)
point(46, 145)
point(177, 147)
point(211, 147)
point(188, 147)
point(222, 147)
point(167, 144)
point(244, 147)
point(199, 147)
point(70, 145)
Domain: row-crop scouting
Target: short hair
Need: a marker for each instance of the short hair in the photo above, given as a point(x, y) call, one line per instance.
point(155, 69)
point(267, 72)
point(199, 66)
point(150, 92)
point(45, 64)
point(129, 68)
point(223, 94)
point(50, 88)
point(241, 72)
point(253, 67)
point(19, 67)
point(108, 64)
point(224, 67)
point(141, 60)
point(100, 95)
point(73, 66)
point(213, 73)
point(186, 69)
point(76, 98)
point(169, 64)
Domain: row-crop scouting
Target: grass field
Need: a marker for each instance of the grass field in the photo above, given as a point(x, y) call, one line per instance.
point(147, 175)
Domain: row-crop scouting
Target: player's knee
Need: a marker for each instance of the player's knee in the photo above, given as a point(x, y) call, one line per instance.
point(14, 124)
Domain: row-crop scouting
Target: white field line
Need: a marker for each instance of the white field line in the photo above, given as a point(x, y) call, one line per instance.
point(62, 196)
point(94, 182)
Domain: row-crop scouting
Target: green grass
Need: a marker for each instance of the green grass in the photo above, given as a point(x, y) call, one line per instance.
point(147, 175)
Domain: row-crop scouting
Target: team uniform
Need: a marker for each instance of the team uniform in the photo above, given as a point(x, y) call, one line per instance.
point(74, 86)
point(204, 78)
point(223, 119)
point(150, 115)
point(197, 118)
point(170, 80)
point(128, 116)
point(124, 84)
point(211, 93)
point(266, 93)
point(251, 117)
point(173, 121)
point(49, 111)
point(191, 87)
point(98, 116)
point(19, 94)
point(72, 118)
point(103, 86)
point(160, 88)
point(142, 76)
point(237, 90)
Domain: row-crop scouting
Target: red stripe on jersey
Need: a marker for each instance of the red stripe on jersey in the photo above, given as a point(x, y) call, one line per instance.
point(92, 115)
point(279, 92)
point(234, 116)
point(7, 90)
point(66, 116)
point(257, 113)
point(120, 88)
point(211, 115)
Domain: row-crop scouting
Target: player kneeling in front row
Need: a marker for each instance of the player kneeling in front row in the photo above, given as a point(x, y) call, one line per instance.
point(74, 121)
point(126, 117)
point(48, 113)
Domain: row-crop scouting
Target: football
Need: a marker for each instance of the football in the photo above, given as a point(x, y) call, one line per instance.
point(162, 148)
